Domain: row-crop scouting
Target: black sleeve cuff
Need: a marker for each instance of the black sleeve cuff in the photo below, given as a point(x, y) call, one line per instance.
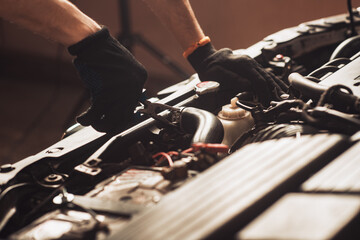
point(200, 54)
point(77, 48)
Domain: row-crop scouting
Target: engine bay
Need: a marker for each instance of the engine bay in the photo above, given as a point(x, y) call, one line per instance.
point(203, 162)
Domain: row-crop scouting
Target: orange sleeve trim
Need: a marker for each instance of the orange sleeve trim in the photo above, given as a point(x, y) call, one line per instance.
point(192, 48)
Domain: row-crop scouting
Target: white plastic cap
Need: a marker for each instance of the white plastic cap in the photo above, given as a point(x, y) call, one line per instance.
point(232, 111)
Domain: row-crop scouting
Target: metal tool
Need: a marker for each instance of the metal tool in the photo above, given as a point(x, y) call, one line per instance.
point(159, 112)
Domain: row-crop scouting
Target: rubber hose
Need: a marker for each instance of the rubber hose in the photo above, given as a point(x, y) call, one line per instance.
point(314, 91)
point(205, 126)
point(308, 88)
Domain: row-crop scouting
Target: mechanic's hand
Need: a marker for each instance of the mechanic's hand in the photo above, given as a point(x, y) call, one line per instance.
point(236, 71)
point(113, 76)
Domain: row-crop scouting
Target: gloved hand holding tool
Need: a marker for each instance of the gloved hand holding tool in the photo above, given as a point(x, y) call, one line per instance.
point(113, 76)
point(234, 71)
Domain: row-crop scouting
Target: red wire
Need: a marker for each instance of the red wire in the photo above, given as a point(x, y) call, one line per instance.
point(167, 156)
point(173, 153)
point(187, 150)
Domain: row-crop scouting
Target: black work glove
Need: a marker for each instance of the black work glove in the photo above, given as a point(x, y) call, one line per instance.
point(113, 76)
point(238, 72)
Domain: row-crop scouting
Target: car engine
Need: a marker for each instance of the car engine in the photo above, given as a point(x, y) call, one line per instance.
point(202, 162)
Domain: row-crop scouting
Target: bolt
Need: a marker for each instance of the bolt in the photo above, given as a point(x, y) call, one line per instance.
point(54, 178)
point(278, 58)
point(284, 96)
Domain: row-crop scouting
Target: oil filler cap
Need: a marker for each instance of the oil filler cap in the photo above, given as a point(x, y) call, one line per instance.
point(206, 87)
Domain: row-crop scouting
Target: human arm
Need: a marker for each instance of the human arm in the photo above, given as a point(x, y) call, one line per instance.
point(58, 20)
point(110, 72)
point(179, 18)
point(230, 70)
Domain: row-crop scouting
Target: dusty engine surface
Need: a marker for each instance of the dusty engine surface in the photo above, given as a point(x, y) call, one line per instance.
point(199, 162)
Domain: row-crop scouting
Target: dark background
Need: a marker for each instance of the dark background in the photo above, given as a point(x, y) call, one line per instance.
point(39, 89)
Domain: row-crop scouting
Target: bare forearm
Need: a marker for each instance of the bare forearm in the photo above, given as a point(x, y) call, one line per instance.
point(58, 20)
point(179, 18)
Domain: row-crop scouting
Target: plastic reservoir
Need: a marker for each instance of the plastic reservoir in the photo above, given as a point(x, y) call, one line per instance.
point(236, 121)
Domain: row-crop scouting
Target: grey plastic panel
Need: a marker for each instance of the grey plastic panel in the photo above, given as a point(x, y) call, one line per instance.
point(304, 216)
point(348, 76)
point(341, 175)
